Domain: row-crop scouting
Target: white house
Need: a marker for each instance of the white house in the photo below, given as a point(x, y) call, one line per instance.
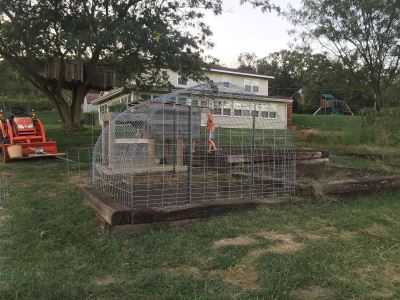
point(241, 94)
point(88, 105)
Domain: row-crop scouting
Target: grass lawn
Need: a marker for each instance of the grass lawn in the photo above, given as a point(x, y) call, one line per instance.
point(345, 135)
point(51, 248)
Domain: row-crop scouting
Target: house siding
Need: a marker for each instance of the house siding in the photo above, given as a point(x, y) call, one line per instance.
point(236, 80)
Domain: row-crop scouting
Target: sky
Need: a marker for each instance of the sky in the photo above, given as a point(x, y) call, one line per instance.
point(242, 28)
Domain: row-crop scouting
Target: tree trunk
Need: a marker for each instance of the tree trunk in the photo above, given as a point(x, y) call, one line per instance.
point(70, 113)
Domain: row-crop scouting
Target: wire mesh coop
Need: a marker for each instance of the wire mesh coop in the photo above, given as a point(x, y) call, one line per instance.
point(189, 147)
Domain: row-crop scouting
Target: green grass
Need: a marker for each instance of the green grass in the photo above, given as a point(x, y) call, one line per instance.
point(328, 122)
point(51, 247)
point(86, 137)
point(347, 135)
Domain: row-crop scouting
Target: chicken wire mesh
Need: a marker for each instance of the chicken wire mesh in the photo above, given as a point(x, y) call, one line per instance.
point(158, 154)
point(78, 162)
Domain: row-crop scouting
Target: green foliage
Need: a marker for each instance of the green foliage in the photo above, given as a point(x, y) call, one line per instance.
point(14, 87)
point(137, 38)
point(313, 73)
point(362, 34)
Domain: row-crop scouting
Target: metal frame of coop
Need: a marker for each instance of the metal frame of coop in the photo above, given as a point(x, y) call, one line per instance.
point(155, 155)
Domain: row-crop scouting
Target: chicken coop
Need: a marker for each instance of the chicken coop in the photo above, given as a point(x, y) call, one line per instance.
point(157, 154)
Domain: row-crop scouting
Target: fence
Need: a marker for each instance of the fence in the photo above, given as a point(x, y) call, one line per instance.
point(78, 162)
point(161, 155)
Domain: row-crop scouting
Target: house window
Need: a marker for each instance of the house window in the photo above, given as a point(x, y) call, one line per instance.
point(245, 113)
point(238, 112)
point(264, 114)
point(272, 115)
point(242, 109)
point(217, 108)
point(227, 84)
point(182, 80)
point(204, 103)
point(103, 109)
point(251, 86)
point(227, 111)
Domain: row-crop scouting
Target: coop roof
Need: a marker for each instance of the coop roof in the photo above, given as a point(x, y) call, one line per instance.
point(219, 90)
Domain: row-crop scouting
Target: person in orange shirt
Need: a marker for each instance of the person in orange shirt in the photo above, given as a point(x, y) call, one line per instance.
point(211, 131)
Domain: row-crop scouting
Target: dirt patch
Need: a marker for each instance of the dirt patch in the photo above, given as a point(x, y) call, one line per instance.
point(307, 134)
point(376, 230)
point(347, 235)
point(7, 174)
point(334, 232)
point(245, 274)
point(313, 293)
point(285, 242)
point(105, 280)
point(382, 294)
point(255, 254)
point(80, 181)
point(309, 235)
point(391, 273)
point(238, 241)
point(388, 274)
point(3, 218)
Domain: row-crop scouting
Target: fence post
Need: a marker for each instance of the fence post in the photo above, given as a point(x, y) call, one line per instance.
point(252, 154)
point(175, 141)
point(190, 162)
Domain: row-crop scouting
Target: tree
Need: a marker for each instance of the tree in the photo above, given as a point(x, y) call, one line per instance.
point(13, 86)
point(138, 38)
point(247, 62)
point(364, 35)
point(313, 73)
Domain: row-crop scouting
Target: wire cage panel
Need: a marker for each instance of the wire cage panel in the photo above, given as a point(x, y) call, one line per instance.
point(157, 155)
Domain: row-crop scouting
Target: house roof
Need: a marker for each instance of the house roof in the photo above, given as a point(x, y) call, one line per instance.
point(91, 97)
point(202, 89)
point(109, 95)
point(232, 71)
point(220, 91)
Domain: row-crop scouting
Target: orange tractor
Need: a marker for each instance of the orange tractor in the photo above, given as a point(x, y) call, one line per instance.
point(23, 136)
